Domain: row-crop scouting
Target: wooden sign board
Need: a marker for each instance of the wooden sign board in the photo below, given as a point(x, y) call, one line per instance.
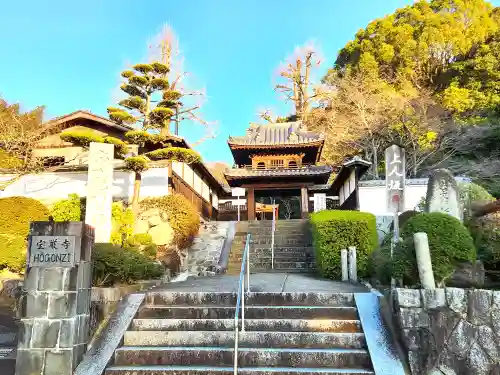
point(51, 251)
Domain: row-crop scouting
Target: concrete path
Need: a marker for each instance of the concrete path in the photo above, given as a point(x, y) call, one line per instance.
point(264, 282)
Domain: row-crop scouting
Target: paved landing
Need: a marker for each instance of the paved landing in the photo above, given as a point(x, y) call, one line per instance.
point(264, 282)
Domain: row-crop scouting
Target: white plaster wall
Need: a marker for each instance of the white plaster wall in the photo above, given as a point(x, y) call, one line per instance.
point(177, 168)
point(188, 175)
point(197, 183)
point(205, 191)
point(49, 187)
point(215, 201)
point(373, 195)
point(154, 183)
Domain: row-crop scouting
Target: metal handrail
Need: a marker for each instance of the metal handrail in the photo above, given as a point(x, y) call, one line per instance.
point(245, 265)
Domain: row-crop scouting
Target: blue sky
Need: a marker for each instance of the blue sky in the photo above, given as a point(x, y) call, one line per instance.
point(67, 55)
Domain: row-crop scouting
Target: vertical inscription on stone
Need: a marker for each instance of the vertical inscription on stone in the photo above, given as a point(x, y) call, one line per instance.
point(99, 184)
point(395, 178)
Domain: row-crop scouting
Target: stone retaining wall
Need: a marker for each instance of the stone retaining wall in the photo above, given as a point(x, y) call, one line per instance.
point(449, 331)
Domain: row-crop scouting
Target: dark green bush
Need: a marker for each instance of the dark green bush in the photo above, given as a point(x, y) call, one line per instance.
point(16, 213)
point(113, 265)
point(181, 214)
point(449, 241)
point(486, 234)
point(69, 209)
point(336, 230)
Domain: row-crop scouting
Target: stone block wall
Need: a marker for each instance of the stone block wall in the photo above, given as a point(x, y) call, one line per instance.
point(204, 254)
point(449, 331)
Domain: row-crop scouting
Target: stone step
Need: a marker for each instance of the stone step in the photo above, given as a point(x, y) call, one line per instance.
point(165, 298)
point(286, 240)
point(204, 370)
point(251, 312)
point(282, 257)
point(266, 250)
point(279, 264)
point(254, 339)
point(216, 356)
point(262, 325)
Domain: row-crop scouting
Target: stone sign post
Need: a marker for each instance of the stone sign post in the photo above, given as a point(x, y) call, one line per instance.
point(395, 185)
point(319, 202)
point(99, 195)
point(56, 300)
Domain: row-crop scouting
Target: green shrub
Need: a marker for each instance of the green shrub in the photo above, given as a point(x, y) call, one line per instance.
point(16, 213)
point(144, 243)
point(336, 230)
point(403, 218)
point(181, 214)
point(175, 153)
point(137, 164)
point(122, 223)
point(449, 241)
point(69, 209)
point(13, 253)
point(113, 265)
point(81, 137)
point(486, 234)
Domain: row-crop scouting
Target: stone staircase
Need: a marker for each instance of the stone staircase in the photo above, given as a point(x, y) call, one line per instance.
point(177, 333)
point(293, 250)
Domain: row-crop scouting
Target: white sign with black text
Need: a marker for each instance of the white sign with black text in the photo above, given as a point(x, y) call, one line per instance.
point(51, 251)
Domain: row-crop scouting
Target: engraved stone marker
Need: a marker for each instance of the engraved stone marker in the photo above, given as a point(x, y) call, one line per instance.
point(443, 195)
point(51, 251)
point(99, 184)
point(56, 299)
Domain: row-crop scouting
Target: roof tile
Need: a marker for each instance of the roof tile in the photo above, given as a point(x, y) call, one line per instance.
point(276, 134)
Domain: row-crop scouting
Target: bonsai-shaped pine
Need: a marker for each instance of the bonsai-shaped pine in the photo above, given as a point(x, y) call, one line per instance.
point(144, 84)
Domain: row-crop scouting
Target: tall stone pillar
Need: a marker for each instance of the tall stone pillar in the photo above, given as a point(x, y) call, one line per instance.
point(99, 190)
point(56, 300)
point(251, 204)
point(305, 202)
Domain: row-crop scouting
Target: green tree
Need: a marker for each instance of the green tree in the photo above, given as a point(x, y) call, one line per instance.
point(20, 133)
point(417, 44)
point(143, 84)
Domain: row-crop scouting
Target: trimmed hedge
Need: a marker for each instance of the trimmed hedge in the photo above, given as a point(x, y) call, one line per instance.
point(69, 209)
point(334, 230)
point(181, 214)
point(16, 213)
point(449, 241)
point(113, 265)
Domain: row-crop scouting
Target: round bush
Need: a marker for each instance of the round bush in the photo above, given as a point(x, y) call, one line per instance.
point(181, 215)
point(449, 241)
point(16, 213)
point(113, 265)
point(335, 230)
point(69, 209)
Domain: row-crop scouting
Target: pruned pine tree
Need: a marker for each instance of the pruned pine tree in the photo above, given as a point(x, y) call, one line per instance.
point(150, 102)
